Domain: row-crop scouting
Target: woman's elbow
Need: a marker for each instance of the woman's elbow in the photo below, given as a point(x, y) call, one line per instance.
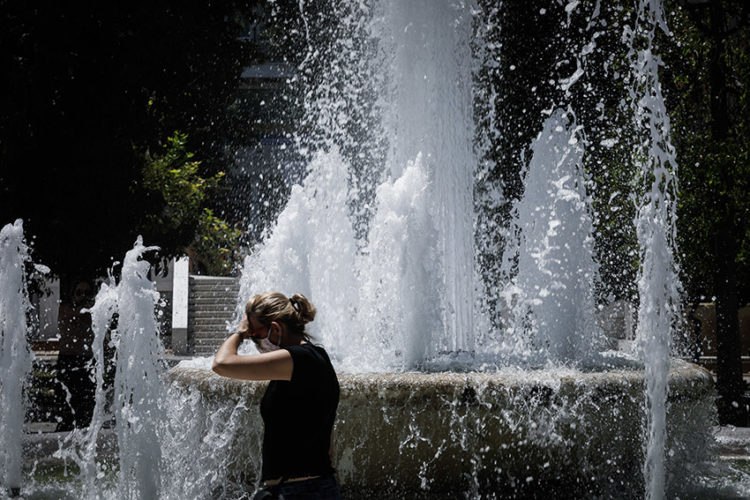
point(218, 365)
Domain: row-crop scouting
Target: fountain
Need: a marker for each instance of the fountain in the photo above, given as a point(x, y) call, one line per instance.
point(454, 383)
point(440, 395)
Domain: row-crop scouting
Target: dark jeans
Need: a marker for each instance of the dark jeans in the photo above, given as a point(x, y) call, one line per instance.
point(320, 488)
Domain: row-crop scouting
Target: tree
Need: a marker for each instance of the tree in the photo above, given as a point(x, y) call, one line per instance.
point(172, 179)
point(710, 71)
point(88, 90)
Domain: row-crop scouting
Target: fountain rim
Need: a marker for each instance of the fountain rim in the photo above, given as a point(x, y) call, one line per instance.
point(681, 374)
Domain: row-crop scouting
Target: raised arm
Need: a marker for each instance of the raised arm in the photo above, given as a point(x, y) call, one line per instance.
point(276, 365)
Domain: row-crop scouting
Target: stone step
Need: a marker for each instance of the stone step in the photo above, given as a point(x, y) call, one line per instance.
point(219, 285)
point(199, 296)
point(203, 312)
point(217, 341)
point(203, 329)
point(214, 299)
point(214, 285)
point(227, 300)
point(206, 313)
point(215, 327)
point(212, 302)
point(211, 335)
point(222, 305)
point(213, 293)
point(200, 277)
point(209, 345)
point(211, 331)
point(219, 324)
point(212, 321)
point(204, 352)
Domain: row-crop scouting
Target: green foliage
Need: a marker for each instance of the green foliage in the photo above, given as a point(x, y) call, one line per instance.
point(714, 160)
point(215, 243)
point(172, 176)
point(88, 88)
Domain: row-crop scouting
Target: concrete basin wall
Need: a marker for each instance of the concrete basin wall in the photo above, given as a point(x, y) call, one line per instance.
point(427, 435)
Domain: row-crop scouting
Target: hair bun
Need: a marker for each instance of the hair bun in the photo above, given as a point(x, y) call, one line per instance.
point(294, 312)
point(304, 308)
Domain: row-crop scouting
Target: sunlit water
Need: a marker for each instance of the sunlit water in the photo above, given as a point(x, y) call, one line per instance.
point(407, 292)
point(550, 296)
point(15, 355)
point(403, 292)
point(658, 281)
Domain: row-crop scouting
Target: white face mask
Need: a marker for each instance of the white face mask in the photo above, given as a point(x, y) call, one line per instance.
point(265, 345)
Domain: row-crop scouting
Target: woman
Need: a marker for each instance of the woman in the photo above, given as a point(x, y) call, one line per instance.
point(299, 406)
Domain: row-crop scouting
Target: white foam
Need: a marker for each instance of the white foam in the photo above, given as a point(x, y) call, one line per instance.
point(15, 356)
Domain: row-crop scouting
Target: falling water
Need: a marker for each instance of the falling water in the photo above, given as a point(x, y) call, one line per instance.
point(551, 294)
point(126, 311)
point(431, 115)
point(658, 276)
point(409, 285)
point(138, 390)
point(83, 444)
point(413, 273)
point(15, 356)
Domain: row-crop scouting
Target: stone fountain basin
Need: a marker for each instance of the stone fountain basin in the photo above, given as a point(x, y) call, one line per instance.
point(512, 432)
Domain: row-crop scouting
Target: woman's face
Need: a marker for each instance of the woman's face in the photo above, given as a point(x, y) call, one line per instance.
point(259, 331)
point(256, 329)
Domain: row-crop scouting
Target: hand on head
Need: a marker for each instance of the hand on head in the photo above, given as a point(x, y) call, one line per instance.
point(243, 329)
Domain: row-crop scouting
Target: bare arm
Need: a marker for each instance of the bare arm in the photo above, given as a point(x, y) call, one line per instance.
point(276, 365)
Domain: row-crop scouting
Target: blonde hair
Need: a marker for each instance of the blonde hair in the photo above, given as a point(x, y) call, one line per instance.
point(294, 312)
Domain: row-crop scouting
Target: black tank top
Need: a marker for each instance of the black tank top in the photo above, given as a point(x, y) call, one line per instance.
point(298, 416)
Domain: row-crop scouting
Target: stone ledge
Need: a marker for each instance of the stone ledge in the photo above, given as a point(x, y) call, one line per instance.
point(418, 435)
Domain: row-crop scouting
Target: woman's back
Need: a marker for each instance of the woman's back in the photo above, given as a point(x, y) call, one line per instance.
point(298, 416)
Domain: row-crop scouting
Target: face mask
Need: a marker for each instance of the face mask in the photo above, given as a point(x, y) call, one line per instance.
point(265, 345)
